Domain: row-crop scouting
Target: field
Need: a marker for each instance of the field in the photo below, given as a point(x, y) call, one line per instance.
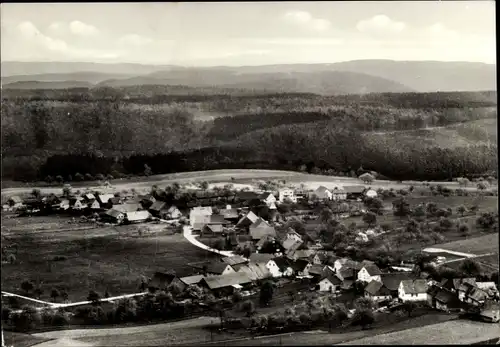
point(21, 340)
point(104, 258)
point(477, 245)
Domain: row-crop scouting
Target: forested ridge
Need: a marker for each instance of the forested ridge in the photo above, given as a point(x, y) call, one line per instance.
point(117, 131)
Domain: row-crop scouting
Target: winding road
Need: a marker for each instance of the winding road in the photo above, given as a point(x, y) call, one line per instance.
point(188, 234)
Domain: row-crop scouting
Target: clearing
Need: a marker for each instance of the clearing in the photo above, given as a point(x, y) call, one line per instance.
point(478, 245)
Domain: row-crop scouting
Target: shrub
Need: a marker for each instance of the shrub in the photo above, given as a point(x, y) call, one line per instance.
point(89, 177)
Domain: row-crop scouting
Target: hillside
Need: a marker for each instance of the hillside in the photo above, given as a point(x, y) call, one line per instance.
point(421, 76)
point(91, 77)
point(47, 85)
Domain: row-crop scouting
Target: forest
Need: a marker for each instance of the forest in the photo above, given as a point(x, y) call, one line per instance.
point(117, 132)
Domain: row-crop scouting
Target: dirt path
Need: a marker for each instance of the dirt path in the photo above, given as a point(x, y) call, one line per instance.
point(440, 250)
point(188, 234)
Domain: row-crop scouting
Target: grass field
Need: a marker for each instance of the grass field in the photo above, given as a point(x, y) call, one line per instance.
point(477, 245)
point(21, 340)
point(110, 258)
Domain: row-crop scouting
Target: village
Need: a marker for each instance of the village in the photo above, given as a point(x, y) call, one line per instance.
point(253, 233)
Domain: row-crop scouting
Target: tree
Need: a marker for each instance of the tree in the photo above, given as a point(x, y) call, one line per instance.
point(49, 179)
point(409, 307)
point(463, 229)
point(431, 208)
point(64, 295)
point(248, 307)
point(363, 317)
point(204, 185)
point(483, 185)
point(461, 210)
point(490, 180)
point(370, 218)
point(326, 215)
point(27, 319)
point(36, 193)
point(487, 220)
point(363, 303)
point(437, 237)
point(147, 170)
point(66, 191)
point(470, 267)
point(27, 286)
point(54, 294)
point(237, 297)
point(445, 223)
point(374, 205)
point(79, 177)
point(401, 207)
point(367, 178)
point(59, 179)
point(419, 212)
point(89, 177)
point(266, 292)
point(94, 297)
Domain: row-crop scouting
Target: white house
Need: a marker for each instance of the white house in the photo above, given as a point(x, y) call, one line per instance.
point(293, 235)
point(94, 204)
point(268, 198)
point(338, 194)
point(330, 283)
point(200, 215)
point(369, 273)
point(172, 213)
point(268, 261)
point(371, 193)
point(77, 203)
point(64, 204)
point(301, 267)
point(287, 194)
point(323, 193)
point(377, 291)
point(413, 290)
point(218, 269)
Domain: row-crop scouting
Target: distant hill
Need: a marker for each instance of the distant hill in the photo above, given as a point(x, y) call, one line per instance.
point(335, 78)
point(47, 85)
point(325, 82)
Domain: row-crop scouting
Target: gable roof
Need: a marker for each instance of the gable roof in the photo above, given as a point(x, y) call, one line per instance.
point(128, 207)
point(229, 213)
point(259, 223)
point(316, 269)
point(216, 219)
point(104, 198)
point(263, 240)
point(372, 269)
point(338, 190)
point(260, 257)
point(331, 278)
point(322, 189)
point(456, 282)
point(263, 231)
point(291, 245)
point(265, 195)
point(113, 213)
point(158, 205)
point(215, 228)
point(250, 217)
point(282, 263)
point(447, 297)
point(374, 288)
point(189, 280)
point(215, 282)
point(473, 292)
point(15, 199)
point(347, 273)
point(201, 210)
point(236, 259)
point(247, 195)
point(89, 196)
point(299, 264)
point(393, 280)
point(354, 189)
point(172, 209)
point(255, 271)
point(216, 267)
point(414, 286)
point(137, 215)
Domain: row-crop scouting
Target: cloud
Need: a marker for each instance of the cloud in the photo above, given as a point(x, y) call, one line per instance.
point(380, 25)
point(82, 29)
point(306, 20)
point(135, 40)
point(440, 33)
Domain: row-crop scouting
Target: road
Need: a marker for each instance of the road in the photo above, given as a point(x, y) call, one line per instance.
point(188, 234)
point(222, 176)
point(440, 250)
point(72, 304)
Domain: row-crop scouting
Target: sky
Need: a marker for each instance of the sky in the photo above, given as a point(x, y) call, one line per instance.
point(251, 33)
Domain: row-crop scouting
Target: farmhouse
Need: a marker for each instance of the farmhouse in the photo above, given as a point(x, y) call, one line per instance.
point(225, 285)
point(338, 194)
point(212, 230)
point(94, 204)
point(260, 228)
point(88, 197)
point(442, 299)
point(234, 260)
point(230, 214)
point(471, 294)
point(293, 235)
point(322, 193)
point(64, 204)
point(455, 283)
point(378, 291)
point(157, 207)
point(246, 221)
point(161, 281)
point(287, 194)
point(217, 269)
point(137, 216)
point(267, 198)
point(316, 270)
point(354, 192)
point(77, 203)
point(369, 272)
point(104, 199)
point(200, 215)
point(128, 207)
point(260, 257)
point(191, 280)
point(413, 290)
point(301, 267)
point(329, 283)
point(392, 281)
point(15, 202)
point(256, 272)
point(490, 312)
point(370, 193)
point(114, 216)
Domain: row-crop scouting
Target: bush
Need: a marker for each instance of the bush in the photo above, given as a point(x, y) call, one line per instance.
point(99, 177)
point(89, 177)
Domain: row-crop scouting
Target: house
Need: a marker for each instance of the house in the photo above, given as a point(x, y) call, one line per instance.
point(89, 196)
point(442, 299)
point(211, 220)
point(77, 203)
point(287, 194)
point(146, 200)
point(316, 270)
point(230, 214)
point(15, 202)
point(262, 242)
point(234, 260)
point(260, 257)
point(157, 207)
point(260, 228)
point(217, 268)
point(246, 221)
point(272, 206)
point(393, 280)
point(51, 202)
point(293, 235)
point(490, 312)
point(338, 194)
point(114, 216)
point(307, 254)
point(64, 204)
point(94, 204)
point(225, 285)
point(291, 245)
point(378, 291)
point(171, 213)
point(212, 230)
point(471, 294)
point(191, 280)
point(161, 281)
point(200, 215)
point(413, 290)
point(256, 271)
point(489, 287)
point(247, 196)
point(267, 198)
point(354, 192)
point(322, 257)
point(369, 273)
point(115, 200)
point(128, 207)
point(329, 283)
point(104, 199)
point(347, 263)
point(322, 193)
point(269, 260)
point(370, 193)
point(455, 283)
point(301, 267)
point(137, 216)
point(283, 267)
